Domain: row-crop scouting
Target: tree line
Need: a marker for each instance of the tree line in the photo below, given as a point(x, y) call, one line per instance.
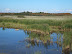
point(36, 14)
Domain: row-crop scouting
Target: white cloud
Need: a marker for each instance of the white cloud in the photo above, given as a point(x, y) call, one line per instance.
point(20, 11)
point(57, 10)
point(7, 10)
point(69, 10)
point(60, 11)
point(28, 10)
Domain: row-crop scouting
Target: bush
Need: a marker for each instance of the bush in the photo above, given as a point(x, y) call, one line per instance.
point(21, 16)
point(1, 15)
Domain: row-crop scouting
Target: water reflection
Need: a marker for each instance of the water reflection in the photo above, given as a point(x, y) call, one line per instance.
point(27, 42)
point(53, 44)
point(3, 28)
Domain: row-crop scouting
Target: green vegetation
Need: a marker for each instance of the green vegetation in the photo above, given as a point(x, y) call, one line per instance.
point(21, 16)
point(44, 25)
point(44, 38)
point(41, 28)
point(68, 39)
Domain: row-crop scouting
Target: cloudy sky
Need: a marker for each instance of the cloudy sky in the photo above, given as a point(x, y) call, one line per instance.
point(50, 6)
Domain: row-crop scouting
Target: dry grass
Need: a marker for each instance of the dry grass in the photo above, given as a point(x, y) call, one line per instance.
point(41, 17)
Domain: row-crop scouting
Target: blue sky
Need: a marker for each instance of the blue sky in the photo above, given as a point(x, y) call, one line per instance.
point(50, 6)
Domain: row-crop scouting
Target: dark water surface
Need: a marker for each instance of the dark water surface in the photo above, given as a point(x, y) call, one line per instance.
point(18, 42)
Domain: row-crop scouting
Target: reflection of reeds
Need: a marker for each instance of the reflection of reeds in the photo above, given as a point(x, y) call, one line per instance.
point(46, 40)
point(38, 52)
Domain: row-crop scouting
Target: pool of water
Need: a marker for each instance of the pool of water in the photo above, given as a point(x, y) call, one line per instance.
point(18, 42)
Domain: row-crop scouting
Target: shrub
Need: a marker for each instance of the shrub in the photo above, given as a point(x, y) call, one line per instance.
point(1, 15)
point(21, 16)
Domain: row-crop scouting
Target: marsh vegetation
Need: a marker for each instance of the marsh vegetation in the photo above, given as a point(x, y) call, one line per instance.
point(39, 29)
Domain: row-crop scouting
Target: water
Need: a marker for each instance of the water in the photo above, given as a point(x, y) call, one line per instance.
point(20, 42)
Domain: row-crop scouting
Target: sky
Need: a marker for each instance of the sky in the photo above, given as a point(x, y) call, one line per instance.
point(48, 6)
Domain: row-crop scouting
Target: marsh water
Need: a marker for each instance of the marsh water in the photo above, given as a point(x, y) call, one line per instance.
point(21, 42)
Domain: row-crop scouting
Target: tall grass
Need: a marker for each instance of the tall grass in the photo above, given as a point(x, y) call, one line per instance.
point(67, 42)
point(39, 24)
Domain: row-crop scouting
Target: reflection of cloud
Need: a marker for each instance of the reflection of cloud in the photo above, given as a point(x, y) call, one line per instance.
point(7, 10)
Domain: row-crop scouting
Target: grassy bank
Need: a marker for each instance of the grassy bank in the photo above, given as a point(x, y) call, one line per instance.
point(43, 24)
